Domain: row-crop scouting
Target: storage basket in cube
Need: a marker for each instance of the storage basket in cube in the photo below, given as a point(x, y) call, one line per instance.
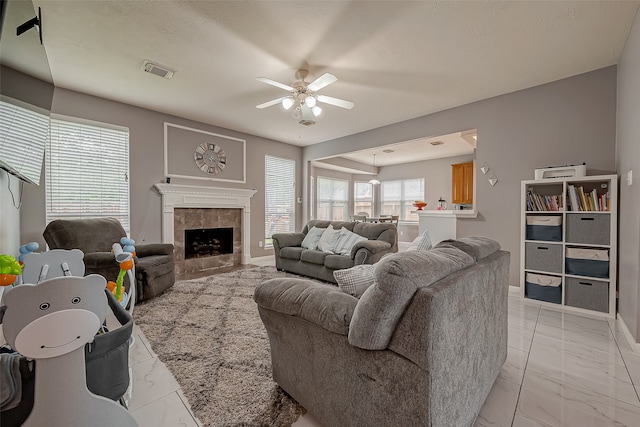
point(542, 287)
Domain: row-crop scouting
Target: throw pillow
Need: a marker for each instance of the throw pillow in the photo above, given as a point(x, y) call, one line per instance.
point(310, 241)
point(328, 239)
point(346, 241)
point(355, 280)
point(421, 243)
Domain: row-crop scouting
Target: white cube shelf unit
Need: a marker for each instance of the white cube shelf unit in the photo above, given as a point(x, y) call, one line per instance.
point(568, 257)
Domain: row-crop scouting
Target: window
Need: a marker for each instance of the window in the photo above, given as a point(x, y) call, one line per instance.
point(279, 197)
point(23, 135)
point(333, 199)
point(87, 172)
point(397, 197)
point(363, 198)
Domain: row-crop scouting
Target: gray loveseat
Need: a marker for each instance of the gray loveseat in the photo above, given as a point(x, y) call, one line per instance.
point(290, 256)
point(421, 347)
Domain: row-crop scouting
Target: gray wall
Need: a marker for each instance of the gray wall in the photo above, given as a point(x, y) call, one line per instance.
point(563, 122)
point(627, 158)
point(146, 142)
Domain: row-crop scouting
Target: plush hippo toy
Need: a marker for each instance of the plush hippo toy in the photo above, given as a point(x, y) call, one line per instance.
point(51, 322)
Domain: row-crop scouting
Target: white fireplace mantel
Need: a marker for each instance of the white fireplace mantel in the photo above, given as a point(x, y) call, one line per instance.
point(195, 196)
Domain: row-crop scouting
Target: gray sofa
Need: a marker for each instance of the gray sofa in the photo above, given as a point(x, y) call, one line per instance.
point(421, 347)
point(290, 256)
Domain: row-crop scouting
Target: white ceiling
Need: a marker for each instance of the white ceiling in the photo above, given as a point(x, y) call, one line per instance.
point(395, 60)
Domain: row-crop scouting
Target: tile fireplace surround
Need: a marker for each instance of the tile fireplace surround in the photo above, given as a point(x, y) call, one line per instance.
point(187, 205)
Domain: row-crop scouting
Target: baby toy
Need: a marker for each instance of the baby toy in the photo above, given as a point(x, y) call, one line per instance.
point(10, 269)
point(124, 257)
point(27, 249)
point(51, 322)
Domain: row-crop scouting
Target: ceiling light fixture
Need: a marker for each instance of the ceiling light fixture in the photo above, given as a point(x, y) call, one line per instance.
point(374, 180)
point(287, 103)
point(310, 101)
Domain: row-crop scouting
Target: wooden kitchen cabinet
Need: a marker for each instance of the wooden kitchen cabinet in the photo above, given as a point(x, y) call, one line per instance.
point(462, 183)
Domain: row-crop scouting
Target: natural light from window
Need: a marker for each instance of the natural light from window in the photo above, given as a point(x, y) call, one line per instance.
point(397, 197)
point(279, 197)
point(333, 199)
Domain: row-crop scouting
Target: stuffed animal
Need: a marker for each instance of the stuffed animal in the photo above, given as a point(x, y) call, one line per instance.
point(51, 322)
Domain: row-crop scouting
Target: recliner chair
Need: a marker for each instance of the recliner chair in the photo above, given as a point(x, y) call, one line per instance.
point(154, 262)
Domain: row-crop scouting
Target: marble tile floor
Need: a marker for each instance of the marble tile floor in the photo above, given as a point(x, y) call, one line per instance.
point(561, 370)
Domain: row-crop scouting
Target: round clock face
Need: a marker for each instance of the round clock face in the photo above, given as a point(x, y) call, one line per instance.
point(210, 158)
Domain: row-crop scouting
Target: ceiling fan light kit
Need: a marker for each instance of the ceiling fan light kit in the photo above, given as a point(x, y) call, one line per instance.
point(304, 98)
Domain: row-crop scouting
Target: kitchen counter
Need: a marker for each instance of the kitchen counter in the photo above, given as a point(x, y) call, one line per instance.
point(465, 213)
point(442, 224)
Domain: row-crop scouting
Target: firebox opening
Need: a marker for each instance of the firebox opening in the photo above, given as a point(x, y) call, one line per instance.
point(205, 242)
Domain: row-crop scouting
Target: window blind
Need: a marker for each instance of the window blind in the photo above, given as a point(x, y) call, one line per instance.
point(87, 172)
point(397, 197)
point(23, 135)
point(279, 196)
point(363, 198)
point(333, 199)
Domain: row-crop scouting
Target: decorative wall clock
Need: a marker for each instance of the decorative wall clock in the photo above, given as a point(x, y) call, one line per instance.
point(210, 158)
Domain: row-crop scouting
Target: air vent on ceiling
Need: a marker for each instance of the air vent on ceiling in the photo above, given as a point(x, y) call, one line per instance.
point(307, 122)
point(157, 69)
point(436, 143)
point(388, 150)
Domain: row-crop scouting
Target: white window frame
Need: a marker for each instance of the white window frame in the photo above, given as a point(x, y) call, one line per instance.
point(279, 201)
point(405, 201)
point(357, 199)
point(331, 202)
point(87, 171)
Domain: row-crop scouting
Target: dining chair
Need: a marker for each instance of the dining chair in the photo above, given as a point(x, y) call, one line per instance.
point(359, 218)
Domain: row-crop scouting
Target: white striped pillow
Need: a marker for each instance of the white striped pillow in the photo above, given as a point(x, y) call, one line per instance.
point(421, 243)
point(346, 240)
point(355, 280)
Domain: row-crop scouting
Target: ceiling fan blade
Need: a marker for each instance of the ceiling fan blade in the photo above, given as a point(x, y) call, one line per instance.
point(270, 103)
point(275, 83)
point(335, 101)
point(324, 80)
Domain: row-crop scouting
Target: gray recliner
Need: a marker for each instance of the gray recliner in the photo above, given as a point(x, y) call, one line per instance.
point(154, 263)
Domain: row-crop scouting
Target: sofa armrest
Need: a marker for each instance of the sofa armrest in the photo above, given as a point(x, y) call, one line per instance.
point(324, 305)
point(154, 249)
point(287, 239)
point(95, 260)
point(369, 251)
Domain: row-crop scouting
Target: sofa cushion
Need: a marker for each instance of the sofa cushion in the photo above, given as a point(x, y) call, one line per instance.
point(291, 252)
point(338, 262)
point(328, 239)
point(421, 243)
point(477, 246)
point(310, 241)
point(355, 280)
point(313, 257)
point(346, 240)
point(398, 276)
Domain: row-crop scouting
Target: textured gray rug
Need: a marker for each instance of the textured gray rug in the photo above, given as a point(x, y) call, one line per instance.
point(209, 334)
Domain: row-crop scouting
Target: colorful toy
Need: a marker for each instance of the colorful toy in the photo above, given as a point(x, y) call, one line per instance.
point(10, 268)
point(124, 257)
point(27, 249)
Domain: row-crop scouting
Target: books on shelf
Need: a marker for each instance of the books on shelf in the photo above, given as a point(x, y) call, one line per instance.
point(537, 202)
point(581, 200)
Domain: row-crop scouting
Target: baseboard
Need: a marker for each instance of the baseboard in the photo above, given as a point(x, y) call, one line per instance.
point(627, 334)
point(263, 260)
point(515, 291)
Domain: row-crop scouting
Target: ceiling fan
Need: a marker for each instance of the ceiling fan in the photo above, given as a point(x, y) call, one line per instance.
point(304, 97)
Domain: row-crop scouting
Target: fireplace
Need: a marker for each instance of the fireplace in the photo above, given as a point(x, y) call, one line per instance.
point(188, 207)
point(206, 242)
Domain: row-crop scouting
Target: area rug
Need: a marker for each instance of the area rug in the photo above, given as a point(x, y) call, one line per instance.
point(209, 334)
